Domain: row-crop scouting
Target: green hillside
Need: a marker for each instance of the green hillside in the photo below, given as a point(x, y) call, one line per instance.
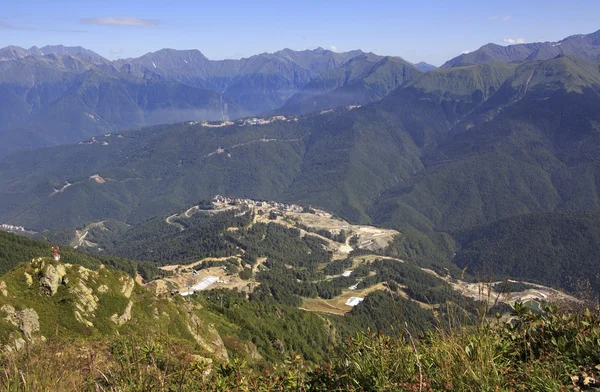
point(173, 345)
point(453, 150)
point(364, 79)
point(103, 319)
point(67, 94)
point(559, 249)
point(440, 153)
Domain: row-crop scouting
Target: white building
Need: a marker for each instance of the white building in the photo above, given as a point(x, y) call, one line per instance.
point(353, 301)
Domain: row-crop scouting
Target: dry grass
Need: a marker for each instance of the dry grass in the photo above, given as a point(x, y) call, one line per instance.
point(337, 305)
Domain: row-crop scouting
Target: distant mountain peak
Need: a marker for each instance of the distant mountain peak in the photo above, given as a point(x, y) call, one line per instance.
point(16, 52)
point(425, 67)
point(586, 46)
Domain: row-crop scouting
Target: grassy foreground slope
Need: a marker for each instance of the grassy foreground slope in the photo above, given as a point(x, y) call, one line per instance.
point(44, 299)
point(547, 352)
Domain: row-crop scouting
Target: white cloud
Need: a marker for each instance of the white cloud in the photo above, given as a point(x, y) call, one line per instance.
point(333, 48)
point(134, 22)
point(465, 52)
point(115, 51)
point(506, 18)
point(512, 41)
point(8, 26)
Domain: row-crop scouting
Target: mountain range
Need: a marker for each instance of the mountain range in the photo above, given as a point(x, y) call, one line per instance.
point(56, 94)
point(440, 153)
point(586, 46)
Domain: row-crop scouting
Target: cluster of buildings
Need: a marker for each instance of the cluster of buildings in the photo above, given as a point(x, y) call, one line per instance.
point(218, 199)
point(365, 243)
point(353, 301)
point(7, 227)
point(93, 140)
point(261, 121)
point(212, 124)
point(242, 122)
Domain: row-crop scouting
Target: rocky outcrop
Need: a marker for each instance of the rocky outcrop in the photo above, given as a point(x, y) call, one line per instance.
point(82, 320)
point(51, 278)
point(213, 345)
point(3, 289)
point(220, 352)
point(252, 351)
point(19, 343)
point(125, 317)
point(83, 273)
point(28, 279)
point(26, 320)
point(278, 345)
point(128, 285)
point(85, 302)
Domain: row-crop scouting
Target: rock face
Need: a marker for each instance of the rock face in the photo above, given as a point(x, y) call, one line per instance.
point(26, 320)
point(220, 350)
point(86, 302)
point(125, 317)
point(52, 277)
point(128, 285)
point(216, 347)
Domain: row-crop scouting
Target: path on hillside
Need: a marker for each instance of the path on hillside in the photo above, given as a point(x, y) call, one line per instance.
point(168, 220)
point(187, 213)
point(263, 140)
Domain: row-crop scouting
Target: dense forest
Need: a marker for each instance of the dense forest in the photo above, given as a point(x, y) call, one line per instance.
point(557, 249)
point(182, 240)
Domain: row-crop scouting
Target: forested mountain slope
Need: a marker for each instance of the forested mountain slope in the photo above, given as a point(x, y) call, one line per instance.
point(259, 83)
point(364, 79)
point(85, 298)
point(559, 249)
point(64, 99)
point(60, 94)
point(456, 148)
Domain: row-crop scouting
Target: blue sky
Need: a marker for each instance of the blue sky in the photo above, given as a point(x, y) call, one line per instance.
point(421, 30)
